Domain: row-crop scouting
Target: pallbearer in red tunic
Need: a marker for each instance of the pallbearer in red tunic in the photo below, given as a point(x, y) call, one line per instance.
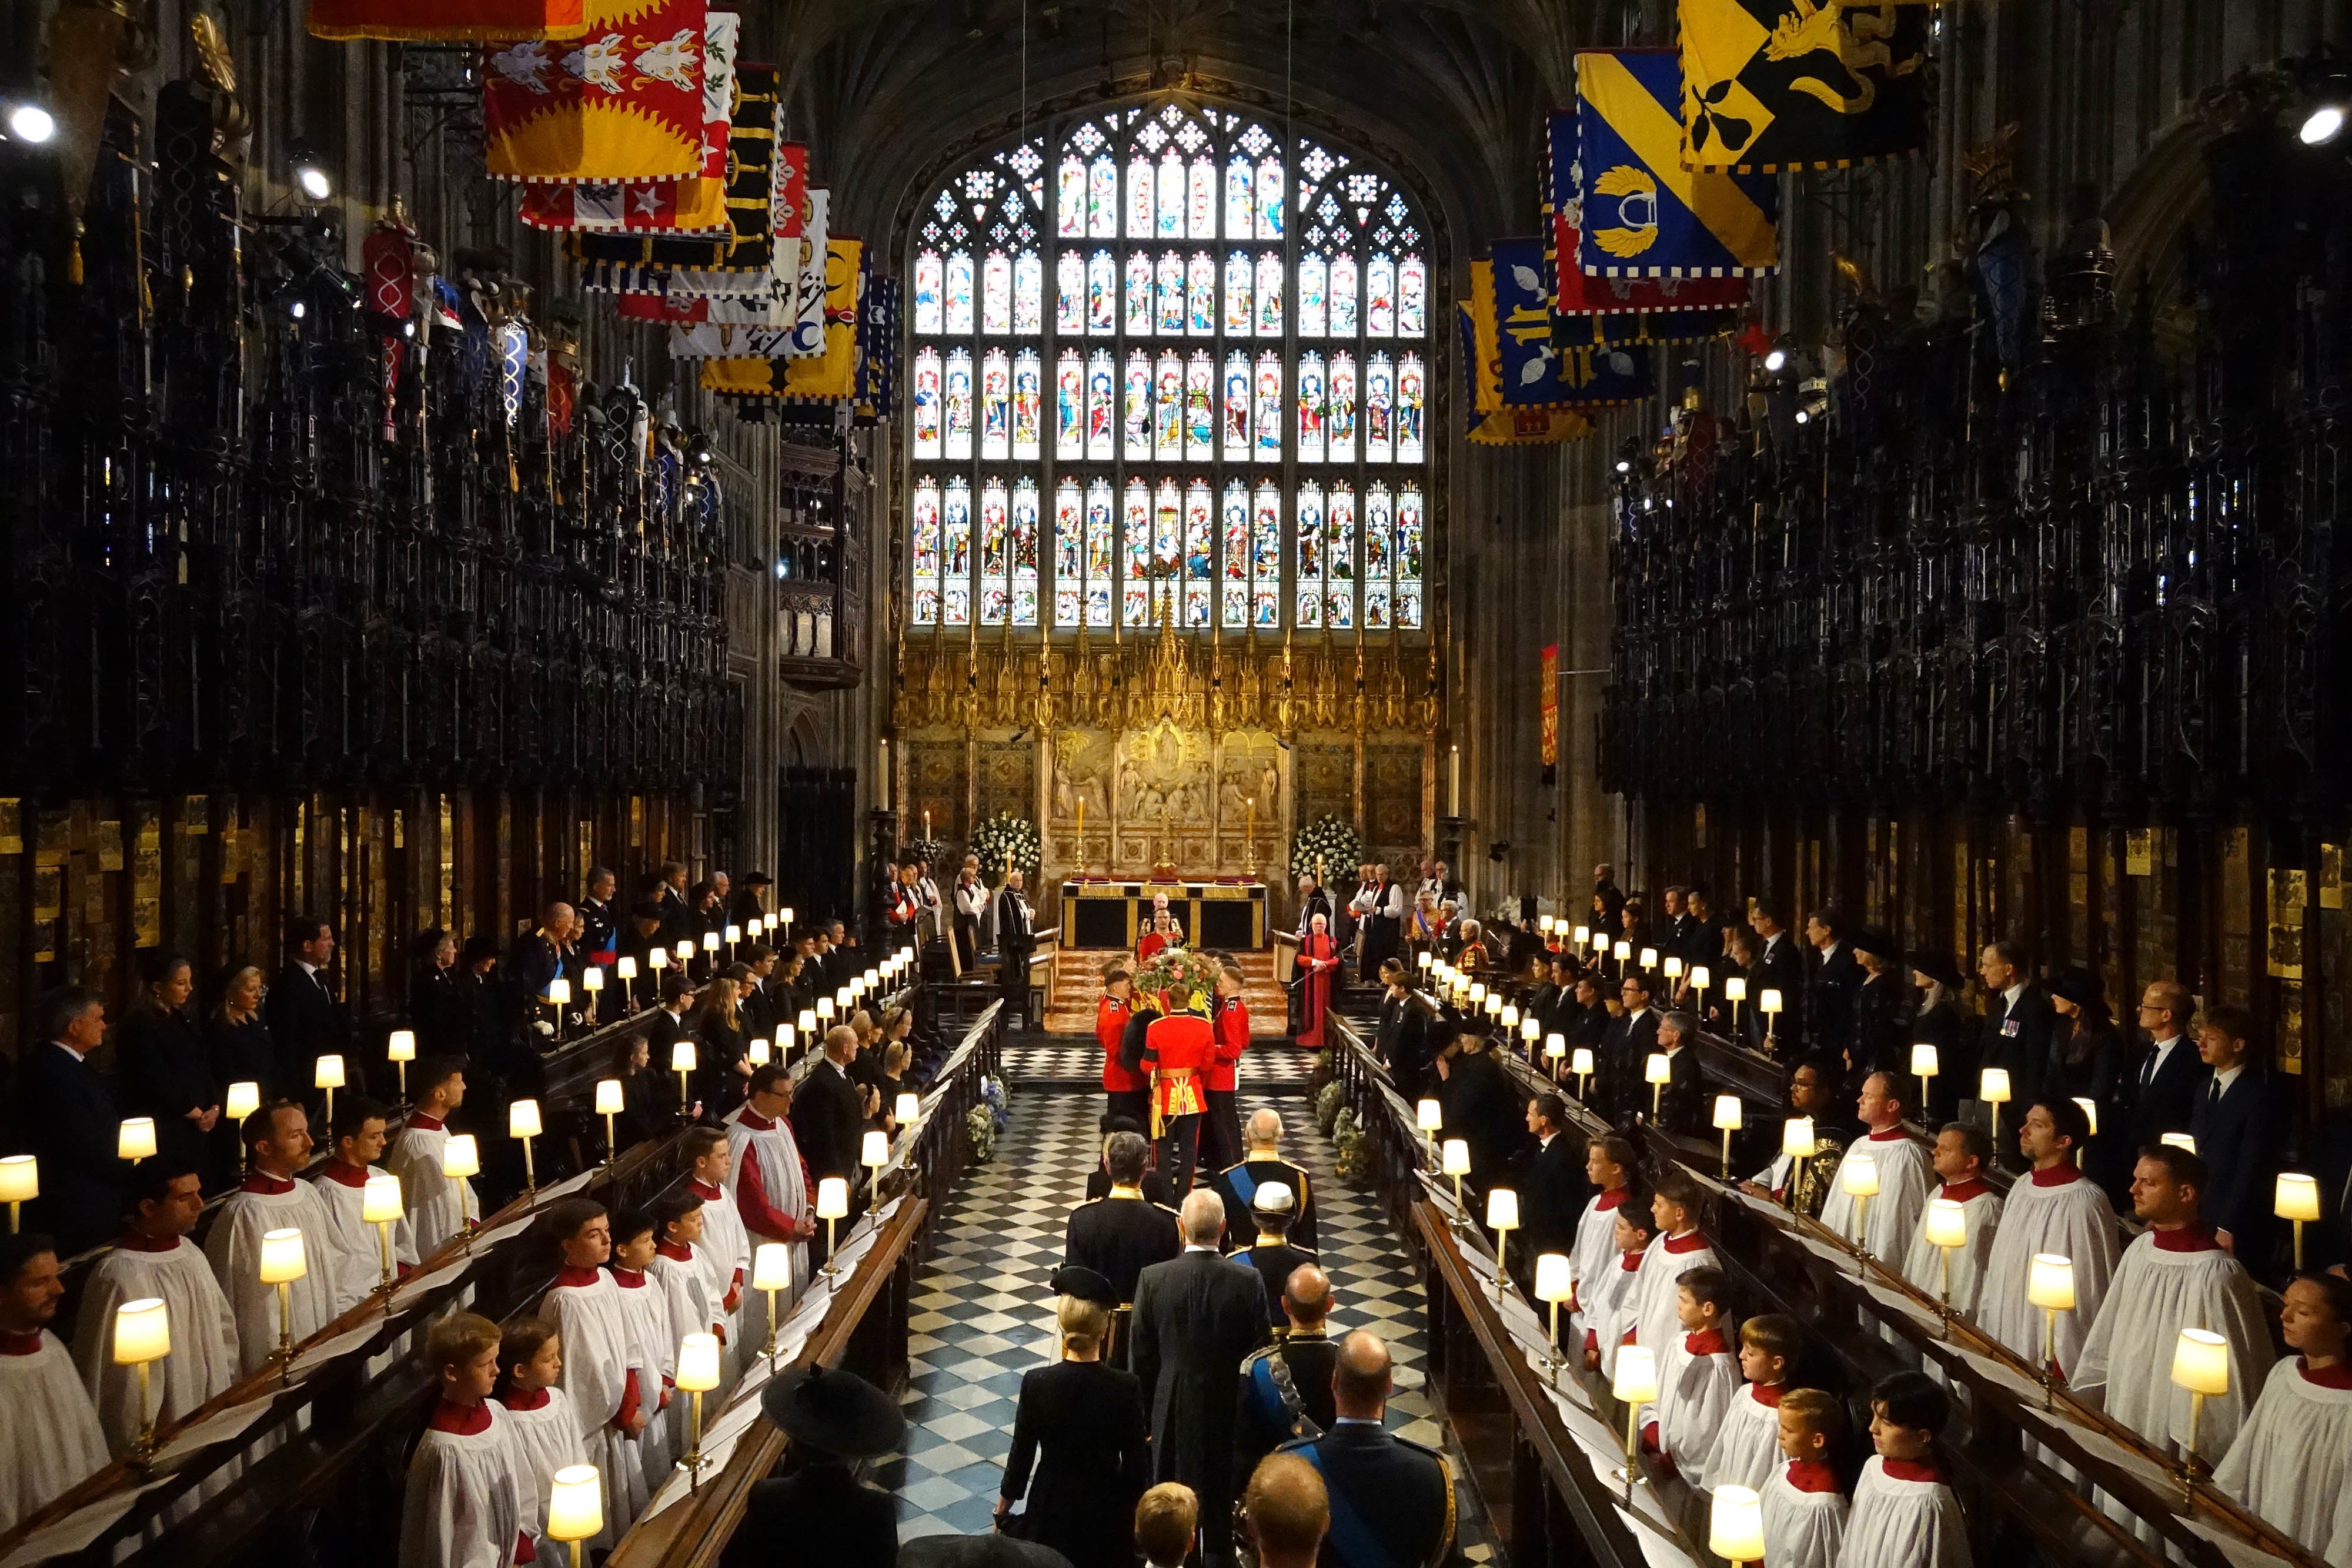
point(1319, 957)
point(1177, 1051)
point(1128, 1091)
point(1221, 1133)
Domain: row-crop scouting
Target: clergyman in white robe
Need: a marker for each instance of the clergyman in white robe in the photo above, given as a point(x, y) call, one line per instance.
point(599, 1358)
point(1923, 1265)
point(1904, 1516)
point(1804, 1515)
point(2054, 1210)
point(2292, 1463)
point(203, 1359)
point(355, 1246)
point(464, 1507)
point(439, 1205)
point(1905, 1176)
point(50, 1435)
point(2169, 1281)
point(268, 1202)
point(778, 1187)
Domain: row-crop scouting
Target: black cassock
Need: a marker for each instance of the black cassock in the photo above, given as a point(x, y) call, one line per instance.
point(1195, 1318)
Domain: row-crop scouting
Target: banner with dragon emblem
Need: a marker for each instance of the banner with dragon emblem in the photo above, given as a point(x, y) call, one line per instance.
point(1642, 212)
point(1532, 366)
point(626, 103)
point(1770, 84)
point(448, 21)
point(1576, 292)
point(696, 205)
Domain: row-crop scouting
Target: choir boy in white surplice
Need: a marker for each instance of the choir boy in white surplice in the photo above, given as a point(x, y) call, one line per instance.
point(50, 1436)
point(1904, 1174)
point(1962, 1152)
point(357, 1248)
point(613, 1390)
point(647, 1310)
point(277, 1145)
point(725, 1249)
point(545, 1422)
point(464, 1505)
point(677, 1271)
point(1608, 1165)
point(154, 1258)
point(438, 1206)
point(1804, 1512)
point(1679, 1248)
point(769, 1181)
point(1611, 1309)
point(1903, 1514)
point(2174, 1276)
point(1746, 1450)
point(1698, 1373)
point(2292, 1463)
point(2054, 1209)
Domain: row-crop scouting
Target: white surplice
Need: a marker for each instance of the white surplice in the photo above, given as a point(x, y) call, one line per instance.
point(1804, 1524)
point(438, 1206)
point(664, 1438)
point(1898, 1521)
point(725, 1254)
point(2126, 1361)
point(546, 1439)
point(1923, 1265)
point(464, 1504)
point(1698, 1378)
point(2061, 1211)
point(1668, 1259)
point(2292, 1463)
point(1612, 1311)
point(50, 1435)
point(1592, 1255)
point(600, 1353)
point(1905, 1173)
point(357, 1247)
point(234, 1249)
point(1747, 1447)
point(787, 1190)
point(203, 1359)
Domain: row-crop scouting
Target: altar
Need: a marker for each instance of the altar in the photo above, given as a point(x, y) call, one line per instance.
point(1100, 912)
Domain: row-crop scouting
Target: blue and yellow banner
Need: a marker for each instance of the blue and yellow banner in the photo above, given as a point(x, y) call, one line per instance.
point(1643, 215)
point(1485, 422)
point(1533, 364)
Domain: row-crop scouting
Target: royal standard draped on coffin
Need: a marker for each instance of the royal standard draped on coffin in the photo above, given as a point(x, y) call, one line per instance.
point(1576, 292)
point(1802, 84)
point(624, 103)
point(1643, 214)
point(1485, 422)
point(454, 21)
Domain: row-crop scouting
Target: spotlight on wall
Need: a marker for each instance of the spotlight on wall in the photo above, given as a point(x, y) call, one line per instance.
point(1777, 360)
point(310, 175)
point(31, 122)
point(2322, 125)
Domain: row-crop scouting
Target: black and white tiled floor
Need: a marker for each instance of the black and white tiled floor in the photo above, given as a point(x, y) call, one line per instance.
point(1273, 1062)
point(983, 1316)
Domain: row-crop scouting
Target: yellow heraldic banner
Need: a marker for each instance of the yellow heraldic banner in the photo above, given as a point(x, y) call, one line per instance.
point(1643, 214)
point(1485, 421)
point(450, 21)
point(1802, 84)
point(829, 377)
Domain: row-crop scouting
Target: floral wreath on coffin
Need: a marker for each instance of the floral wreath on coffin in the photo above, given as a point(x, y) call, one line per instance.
point(1177, 972)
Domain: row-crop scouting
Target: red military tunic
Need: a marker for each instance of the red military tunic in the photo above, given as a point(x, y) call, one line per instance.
point(1110, 1023)
point(1232, 1038)
point(1179, 1051)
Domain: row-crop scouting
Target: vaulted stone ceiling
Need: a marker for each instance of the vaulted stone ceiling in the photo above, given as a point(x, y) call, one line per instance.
point(889, 92)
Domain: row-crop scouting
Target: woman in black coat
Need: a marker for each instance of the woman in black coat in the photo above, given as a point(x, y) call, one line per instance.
point(640, 1116)
point(1940, 1022)
point(238, 1049)
point(1088, 1418)
point(160, 1059)
point(1882, 1010)
point(433, 1009)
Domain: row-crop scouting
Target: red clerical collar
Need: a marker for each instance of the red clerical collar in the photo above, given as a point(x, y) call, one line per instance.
point(1812, 1475)
point(2188, 1238)
point(348, 1176)
point(132, 1242)
point(2056, 1175)
point(1911, 1471)
point(705, 1191)
point(2337, 1376)
point(13, 1343)
point(1706, 1341)
point(757, 1122)
point(268, 1186)
point(676, 1251)
point(570, 1278)
point(525, 1399)
point(1961, 1191)
point(425, 1123)
point(1891, 1136)
point(628, 1279)
point(465, 1420)
point(1633, 1260)
point(1609, 1200)
point(1693, 1242)
point(1766, 1394)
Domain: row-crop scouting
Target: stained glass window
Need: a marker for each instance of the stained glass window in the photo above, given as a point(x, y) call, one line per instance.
point(1108, 419)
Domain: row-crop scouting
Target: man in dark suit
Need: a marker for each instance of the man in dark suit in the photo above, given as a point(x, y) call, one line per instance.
point(1122, 1233)
point(1778, 967)
point(1680, 1101)
point(762, 1005)
point(829, 1110)
point(1273, 1207)
point(2017, 1022)
point(2239, 1124)
point(2161, 1087)
point(1287, 1385)
point(1155, 1184)
point(1481, 1106)
point(831, 1419)
point(678, 922)
point(1391, 1498)
point(1013, 944)
point(599, 928)
point(1631, 1037)
point(1400, 1036)
point(1196, 1316)
point(1261, 1162)
point(1837, 974)
point(72, 1123)
point(668, 1027)
point(1552, 1193)
point(306, 1022)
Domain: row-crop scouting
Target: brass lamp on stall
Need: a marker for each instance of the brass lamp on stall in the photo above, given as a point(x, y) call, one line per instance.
point(2297, 1198)
point(1699, 978)
point(832, 1208)
point(1583, 937)
point(657, 960)
point(1454, 1161)
point(772, 1271)
point(1797, 1142)
point(2200, 1364)
point(1502, 1219)
point(734, 935)
point(1531, 1032)
point(143, 1336)
point(592, 980)
point(1633, 1384)
point(2050, 1285)
point(20, 1184)
point(711, 952)
point(1508, 1012)
point(698, 1374)
point(1735, 991)
point(608, 1106)
point(1649, 960)
point(907, 1111)
point(281, 1263)
point(1580, 1063)
point(757, 1053)
point(825, 1012)
point(624, 969)
point(1992, 1088)
point(239, 1102)
point(380, 1205)
point(135, 1139)
point(1858, 1174)
point(522, 1121)
point(400, 1050)
point(1429, 1115)
point(681, 1061)
point(1768, 1001)
point(576, 1507)
point(1553, 1287)
point(1947, 1230)
point(461, 1160)
point(328, 1074)
point(785, 1034)
point(874, 1154)
point(806, 1024)
point(2090, 1120)
point(683, 953)
point(1494, 1006)
point(1657, 1072)
point(1555, 1052)
point(1735, 1525)
point(1623, 953)
point(559, 997)
point(1729, 1116)
point(1924, 1066)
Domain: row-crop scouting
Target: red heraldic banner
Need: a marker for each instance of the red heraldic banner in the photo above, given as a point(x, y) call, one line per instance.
point(626, 104)
point(1551, 704)
point(461, 21)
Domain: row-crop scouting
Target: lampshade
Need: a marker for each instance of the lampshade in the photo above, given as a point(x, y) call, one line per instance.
point(657, 960)
point(135, 1140)
point(685, 950)
point(756, 1053)
point(625, 966)
point(2090, 1113)
point(1510, 1015)
point(873, 978)
point(282, 1262)
point(1584, 936)
point(559, 992)
point(1673, 969)
point(20, 1179)
point(2050, 1282)
point(1580, 1062)
point(1735, 1524)
point(1992, 1086)
point(575, 1504)
point(1649, 957)
point(400, 1045)
point(328, 1073)
point(1601, 941)
point(1770, 1001)
point(786, 1036)
point(2297, 1196)
point(1735, 988)
point(1858, 1174)
point(697, 1363)
point(460, 1157)
point(772, 1267)
point(1502, 1209)
point(522, 1119)
point(711, 941)
point(1555, 1046)
point(1947, 1222)
point(1478, 992)
point(241, 1100)
point(2179, 1141)
point(1544, 924)
point(833, 1199)
point(592, 978)
point(907, 1108)
point(1657, 1069)
point(1621, 951)
point(876, 1149)
point(842, 996)
point(824, 1009)
point(1495, 1004)
point(1454, 1158)
point(1729, 1114)
point(681, 1056)
point(1531, 1029)
point(2201, 1363)
point(1797, 1138)
point(379, 1198)
point(733, 934)
point(1635, 1381)
point(1923, 1060)
point(143, 1331)
point(1553, 1283)
point(608, 1097)
point(1428, 1116)
point(1424, 957)
point(1701, 977)
point(786, 915)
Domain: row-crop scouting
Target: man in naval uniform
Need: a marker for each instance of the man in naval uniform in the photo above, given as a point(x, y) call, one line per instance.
point(1272, 1254)
point(1287, 1385)
point(1119, 1235)
point(1261, 1162)
point(1391, 1498)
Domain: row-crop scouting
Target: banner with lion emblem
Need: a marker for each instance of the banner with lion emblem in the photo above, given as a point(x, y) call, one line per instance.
point(1802, 84)
point(1643, 214)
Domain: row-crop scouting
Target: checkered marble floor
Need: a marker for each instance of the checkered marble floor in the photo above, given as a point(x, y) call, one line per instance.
point(982, 1315)
point(1272, 1066)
